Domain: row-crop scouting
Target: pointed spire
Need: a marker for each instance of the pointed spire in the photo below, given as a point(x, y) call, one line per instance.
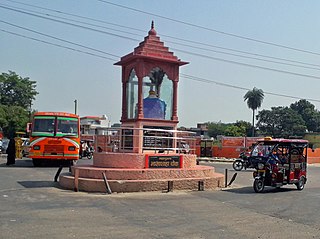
point(152, 31)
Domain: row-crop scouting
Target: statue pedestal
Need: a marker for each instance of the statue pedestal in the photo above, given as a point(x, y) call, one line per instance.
point(127, 172)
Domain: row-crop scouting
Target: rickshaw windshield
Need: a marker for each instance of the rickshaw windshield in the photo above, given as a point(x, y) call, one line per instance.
point(262, 149)
point(283, 150)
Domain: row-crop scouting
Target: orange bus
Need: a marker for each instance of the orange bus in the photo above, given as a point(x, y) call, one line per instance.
point(54, 136)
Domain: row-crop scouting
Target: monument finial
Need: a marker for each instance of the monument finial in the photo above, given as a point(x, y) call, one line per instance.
point(152, 31)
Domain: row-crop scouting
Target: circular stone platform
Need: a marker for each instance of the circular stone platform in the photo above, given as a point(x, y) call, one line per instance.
point(127, 173)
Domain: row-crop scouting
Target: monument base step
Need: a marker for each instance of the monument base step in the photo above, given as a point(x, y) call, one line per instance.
point(68, 181)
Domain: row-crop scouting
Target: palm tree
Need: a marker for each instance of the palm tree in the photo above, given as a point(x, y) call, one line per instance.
point(254, 100)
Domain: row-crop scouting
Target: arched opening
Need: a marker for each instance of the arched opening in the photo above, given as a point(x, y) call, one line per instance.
point(132, 95)
point(157, 95)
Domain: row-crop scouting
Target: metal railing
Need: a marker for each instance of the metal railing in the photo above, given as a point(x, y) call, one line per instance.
point(157, 140)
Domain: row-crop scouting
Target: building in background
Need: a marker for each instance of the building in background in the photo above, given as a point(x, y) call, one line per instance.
point(91, 125)
point(201, 130)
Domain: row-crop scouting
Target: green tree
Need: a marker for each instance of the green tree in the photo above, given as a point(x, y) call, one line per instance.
point(235, 131)
point(281, 122)
point(246, 126)
point(15, 90)
point(215, 129)
point(16, 96)
point(254, 100)
point(309, 114)
point(240, 128)
point(16, 120)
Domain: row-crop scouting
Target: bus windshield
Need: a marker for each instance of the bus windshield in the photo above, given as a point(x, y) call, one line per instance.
point(67, 126)
point(55, 126)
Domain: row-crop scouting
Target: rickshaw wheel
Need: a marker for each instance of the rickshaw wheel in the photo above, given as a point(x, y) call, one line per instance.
point(258, 185)
point(301, 183)
point(237, 165)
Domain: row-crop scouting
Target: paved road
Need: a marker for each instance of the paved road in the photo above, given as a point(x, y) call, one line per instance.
point(33, 206)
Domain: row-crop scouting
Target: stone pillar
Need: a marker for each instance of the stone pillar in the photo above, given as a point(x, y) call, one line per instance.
point(124, 96)
point(140, 98)
point(175, 100)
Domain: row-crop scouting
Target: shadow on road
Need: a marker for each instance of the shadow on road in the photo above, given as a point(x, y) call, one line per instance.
point(249, 190)
point(19, 164)
point(39, 184)
point(28, 164)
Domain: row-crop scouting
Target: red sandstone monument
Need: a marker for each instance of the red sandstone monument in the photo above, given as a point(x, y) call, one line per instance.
point(147, 153)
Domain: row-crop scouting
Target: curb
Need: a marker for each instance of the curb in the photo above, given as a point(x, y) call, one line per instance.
point(223, 160)
point(231, 160)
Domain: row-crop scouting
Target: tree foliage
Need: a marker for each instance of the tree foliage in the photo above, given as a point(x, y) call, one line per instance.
point(16, 97)
point(254, 100)
point(246, 126)
point(16, 120)
point(278, 122)
point(215, 129)
point(240, 128)
point(235, 131)
point(308, 113)
point(16, 91)
point(281, 122)
point(296, 120)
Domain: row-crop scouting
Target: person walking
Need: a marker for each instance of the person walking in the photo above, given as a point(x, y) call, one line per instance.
point(11, 152)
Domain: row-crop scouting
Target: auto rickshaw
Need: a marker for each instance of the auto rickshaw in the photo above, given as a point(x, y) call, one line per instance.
point(279, 162)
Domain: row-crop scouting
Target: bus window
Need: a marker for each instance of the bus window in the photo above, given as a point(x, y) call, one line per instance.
point(43, 126)
point(67, 126)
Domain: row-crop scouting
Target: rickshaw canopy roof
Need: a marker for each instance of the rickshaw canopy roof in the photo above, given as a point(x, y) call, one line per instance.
point(286, 141)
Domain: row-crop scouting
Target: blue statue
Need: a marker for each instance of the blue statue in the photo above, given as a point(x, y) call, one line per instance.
point(153, 107)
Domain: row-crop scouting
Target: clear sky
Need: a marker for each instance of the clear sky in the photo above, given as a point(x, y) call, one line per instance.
point(274, 31)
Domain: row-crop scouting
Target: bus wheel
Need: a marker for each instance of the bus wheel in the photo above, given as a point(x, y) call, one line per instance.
point(36, 162)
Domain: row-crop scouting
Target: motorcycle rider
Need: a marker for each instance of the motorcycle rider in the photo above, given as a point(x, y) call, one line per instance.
point(84, 148)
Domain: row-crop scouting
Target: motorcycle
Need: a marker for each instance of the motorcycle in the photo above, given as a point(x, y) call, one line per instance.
point(86, 149)
point(86, 153)
point(243, 161)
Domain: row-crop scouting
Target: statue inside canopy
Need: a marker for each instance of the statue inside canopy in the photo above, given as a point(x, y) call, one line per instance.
point(153, 107)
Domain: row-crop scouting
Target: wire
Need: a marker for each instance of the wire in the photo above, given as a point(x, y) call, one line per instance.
point(57, 45)
point(186, 76)
point(247, 57)
point(244, 52)
point(68, 23)
point(56, 38)
point(195, 54)
point(209, 29)
point(180, 39)
point(204, 80)
point(72, 20)
point(248, 65)
point(194, 78)
point(74, 15)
